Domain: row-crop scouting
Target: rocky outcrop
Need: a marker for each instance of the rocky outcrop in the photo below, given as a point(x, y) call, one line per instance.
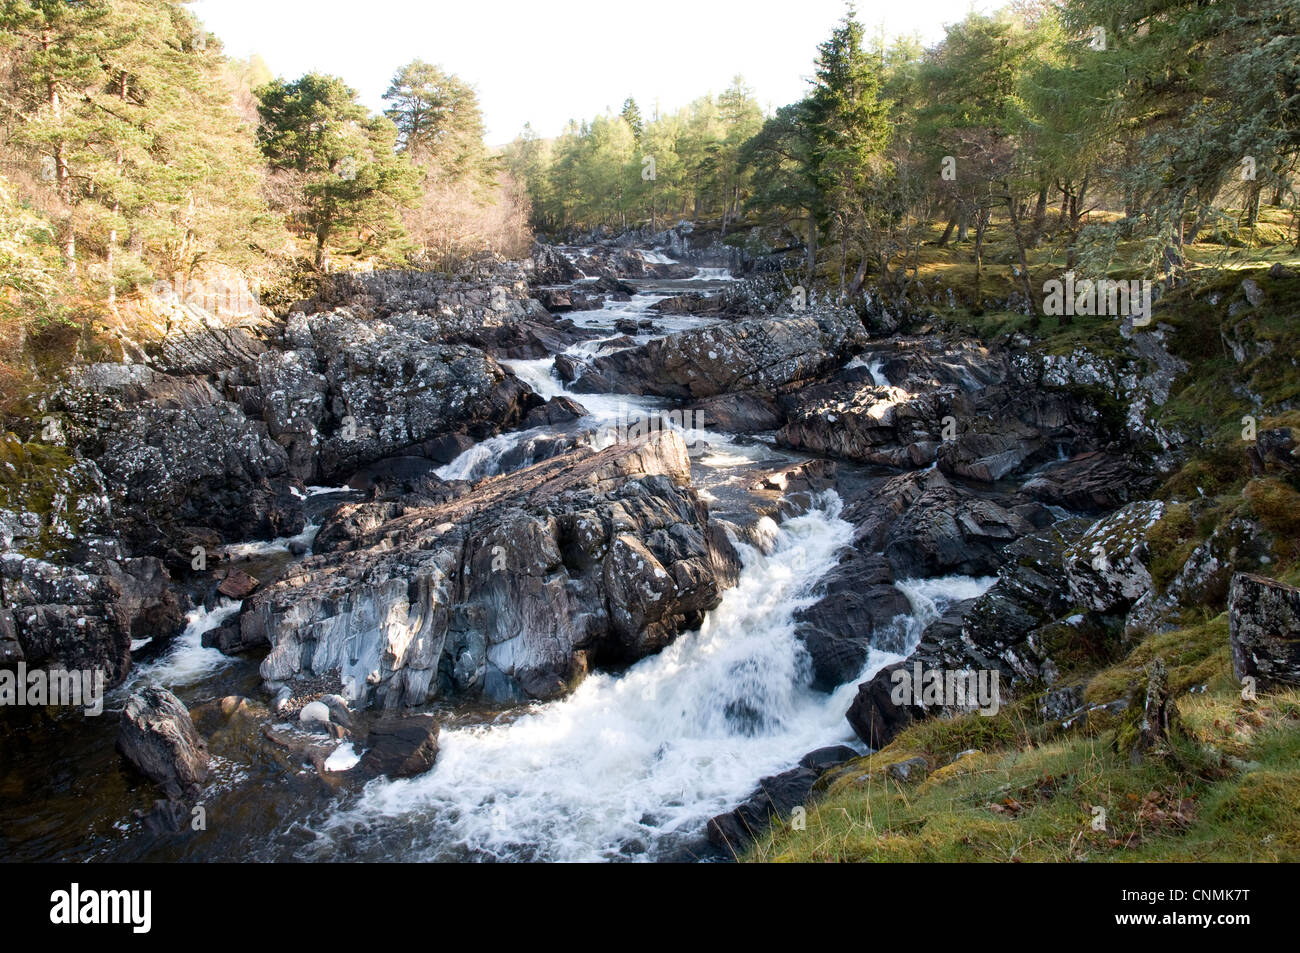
point(1090, 482)
point(510, 590)
point(926, 526)
point(552, 267)
point(1236, 545)
point(83, 616)
point(914, 403)
point(762, 355)
point(1009, 629)
point(1106, 567)
point(773, 800)
point(175, 453)
point(615, 261)
point(1264, 629)
point(357, 391)
point(158, 738)
point(858, 608)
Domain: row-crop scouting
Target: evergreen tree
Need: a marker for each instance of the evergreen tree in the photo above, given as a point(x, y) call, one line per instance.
point(632, 116)
point(342, 158)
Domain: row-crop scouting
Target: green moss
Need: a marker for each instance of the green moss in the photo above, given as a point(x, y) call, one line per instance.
point(1276, 506)
point(1195, 655)
point(1036, 802)
point(41, 479)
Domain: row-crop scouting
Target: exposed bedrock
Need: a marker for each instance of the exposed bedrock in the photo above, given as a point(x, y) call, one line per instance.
point(763, 354)
point(511, 590)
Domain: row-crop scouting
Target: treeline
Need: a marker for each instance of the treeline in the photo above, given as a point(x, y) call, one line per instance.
point(132, 150)
point(621, 169)
point(1098, 122)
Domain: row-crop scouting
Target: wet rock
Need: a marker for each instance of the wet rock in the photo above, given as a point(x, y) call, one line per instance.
point(85, 616)
point(869, 423)
point(158, 738)
point(237, 585)
point(874, 715)
point(774, 799)
point(928, 527)
point(1264, 627)
point(1090, 482)
point(998, 629)
point(557, 410)
point(508, 590)
point(556, 300)
point(229, 639)
point(401, 747)
point(858, 608)
point(759, 354)
point(823, 759)
point(340, 714)
point(989, 449)
point(739, 413)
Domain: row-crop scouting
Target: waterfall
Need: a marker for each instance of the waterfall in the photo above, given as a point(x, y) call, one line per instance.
point(635, 763)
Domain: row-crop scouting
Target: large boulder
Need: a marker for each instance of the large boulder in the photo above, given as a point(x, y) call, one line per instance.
point(401, 747)
point(1106, 567)
point(509, 590)
point(926, 526)
point(158, 738)
point(858, 608)
point(1264, 628)
point(758, 354)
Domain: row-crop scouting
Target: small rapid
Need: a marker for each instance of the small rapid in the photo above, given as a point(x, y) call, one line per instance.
point(633, 764)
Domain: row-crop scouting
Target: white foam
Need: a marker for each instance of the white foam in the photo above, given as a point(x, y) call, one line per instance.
point(636, 757)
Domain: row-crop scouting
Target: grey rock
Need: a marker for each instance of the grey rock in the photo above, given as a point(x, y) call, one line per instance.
point(158, 738)
point(1264, 630)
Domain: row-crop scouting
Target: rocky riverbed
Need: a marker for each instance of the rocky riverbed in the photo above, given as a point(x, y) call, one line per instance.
point(603, 555)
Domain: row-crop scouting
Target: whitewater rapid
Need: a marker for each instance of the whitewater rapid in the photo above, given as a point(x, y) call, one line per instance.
point(633, 764)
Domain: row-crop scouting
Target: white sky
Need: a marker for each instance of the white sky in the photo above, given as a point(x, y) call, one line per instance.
point(548, 62)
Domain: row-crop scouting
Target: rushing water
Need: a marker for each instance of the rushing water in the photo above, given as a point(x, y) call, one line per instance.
point(633, 764)
point(630, 766)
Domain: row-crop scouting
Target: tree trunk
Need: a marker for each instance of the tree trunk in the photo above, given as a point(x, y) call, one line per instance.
point(1020, 247)
point(812, 247)
point(1252, 205)
point(947, 232)
point(322, 236)
point(1077, 203)
point(1040, 212)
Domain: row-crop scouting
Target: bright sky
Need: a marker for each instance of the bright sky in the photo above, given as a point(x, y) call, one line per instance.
point(547, 61)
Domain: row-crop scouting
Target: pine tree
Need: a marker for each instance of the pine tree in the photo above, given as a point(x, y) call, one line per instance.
point(632, 116)
point(342, 161)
